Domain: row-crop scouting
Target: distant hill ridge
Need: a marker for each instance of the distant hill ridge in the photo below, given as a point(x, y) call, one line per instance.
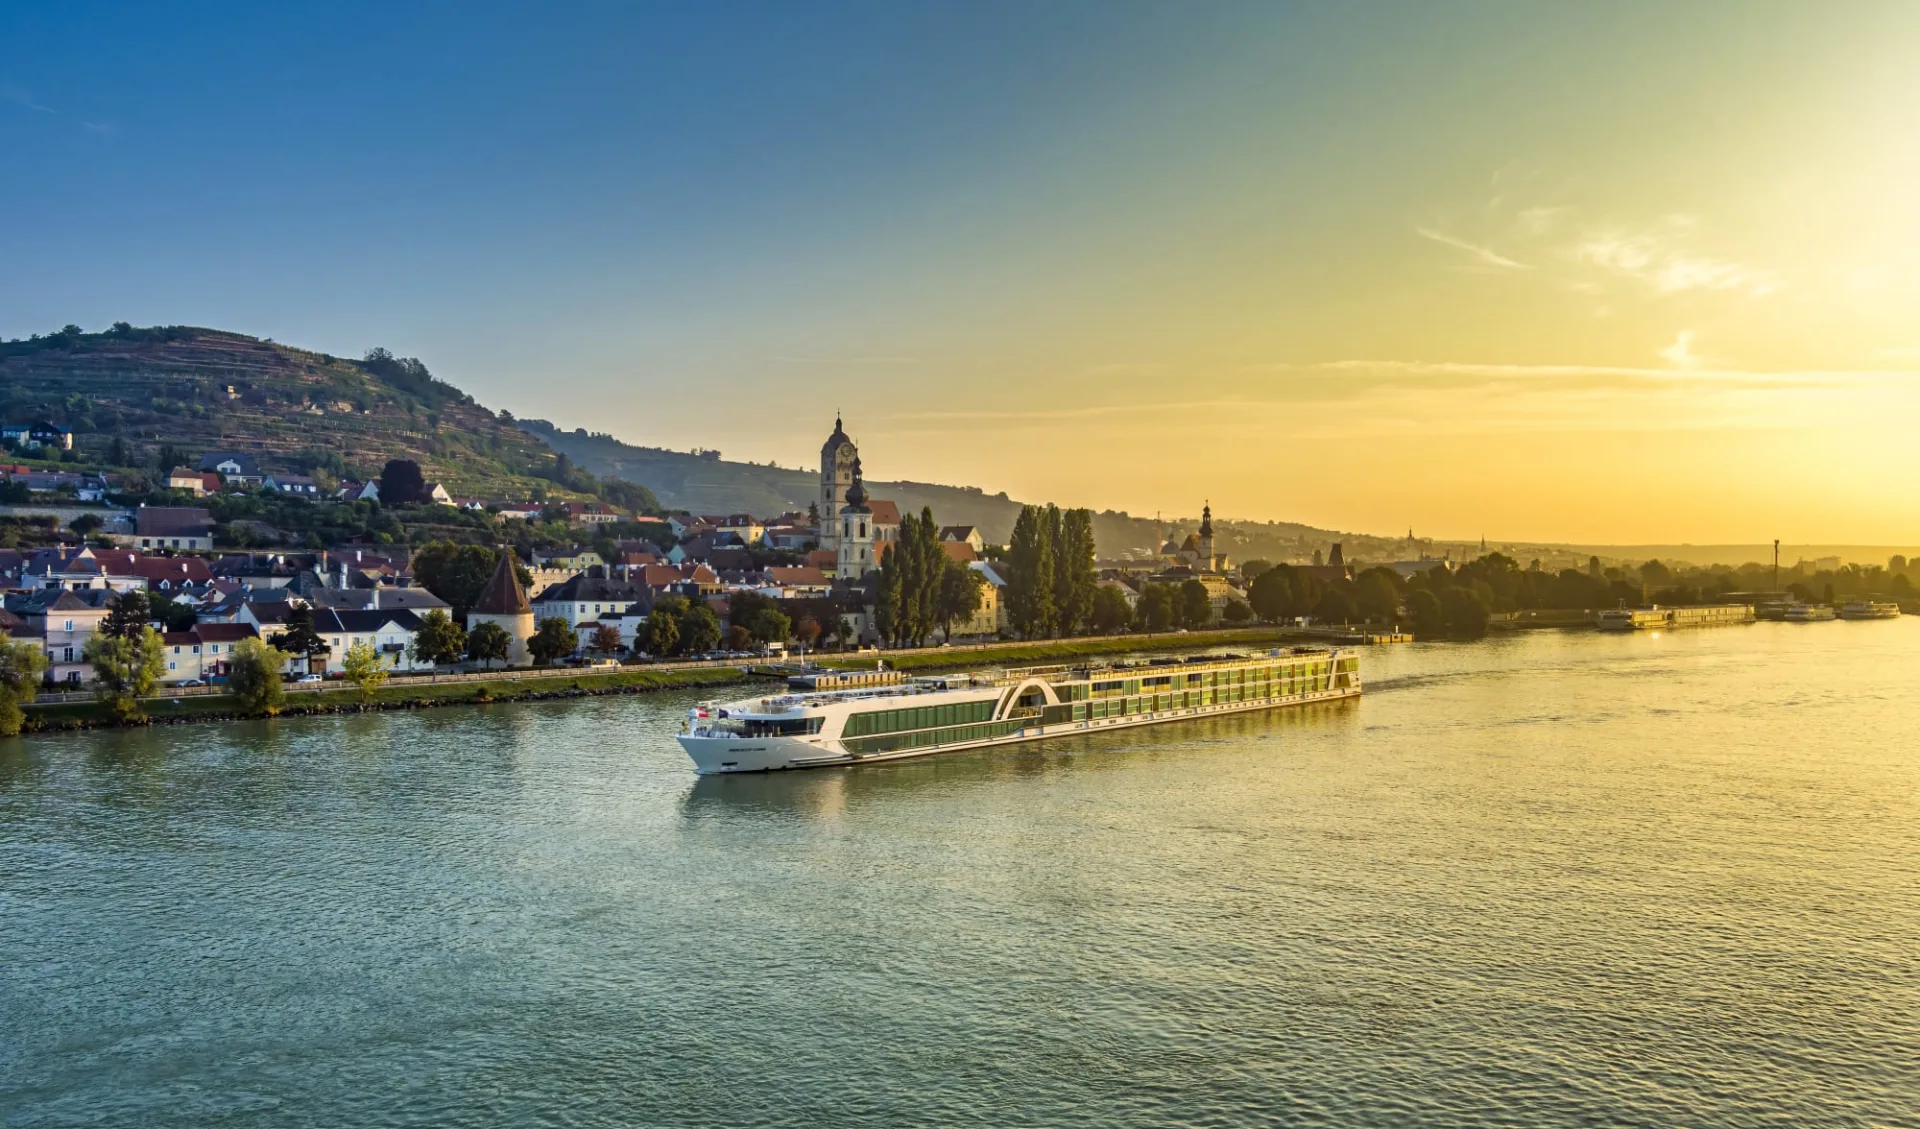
point(198, 389)
point(705, 483)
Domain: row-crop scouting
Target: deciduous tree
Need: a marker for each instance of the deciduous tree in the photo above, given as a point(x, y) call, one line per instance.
point(1110, 611)
point(402, 483)
point(126, 668)
point(1429, 618)
point(605, 640)
point(699, 629)
point(552, 640)
point(21, 665)
point(439, 641)
point(960, 596)
point(1155, 611)
point(254, 677)
point(363, 667)
point(455, 573)
point(489, 643)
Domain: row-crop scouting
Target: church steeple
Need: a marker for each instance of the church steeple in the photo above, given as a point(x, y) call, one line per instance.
point(1206, 520)
point(857, 493)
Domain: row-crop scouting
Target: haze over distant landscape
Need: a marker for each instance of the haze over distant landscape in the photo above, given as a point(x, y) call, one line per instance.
point(1356, 267)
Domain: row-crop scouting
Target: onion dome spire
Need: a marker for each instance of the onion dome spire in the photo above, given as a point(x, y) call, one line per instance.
point(857, 493)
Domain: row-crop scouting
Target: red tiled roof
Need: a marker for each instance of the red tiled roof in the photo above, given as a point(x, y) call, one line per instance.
point(797, 576)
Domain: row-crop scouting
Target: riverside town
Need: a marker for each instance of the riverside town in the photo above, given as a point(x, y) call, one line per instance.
point(149, 571)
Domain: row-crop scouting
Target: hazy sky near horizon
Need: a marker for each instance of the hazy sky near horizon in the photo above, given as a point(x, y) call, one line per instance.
point(1627, 272)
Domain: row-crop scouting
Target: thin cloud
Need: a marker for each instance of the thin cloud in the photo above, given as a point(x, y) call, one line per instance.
point(20, 97)
point(848, 360)
point(1486, 255)
point(1648, 259)
point(1680, 354)
point(1539, 221)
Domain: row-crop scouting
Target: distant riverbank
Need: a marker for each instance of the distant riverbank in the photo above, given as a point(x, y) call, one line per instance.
point(412, 694)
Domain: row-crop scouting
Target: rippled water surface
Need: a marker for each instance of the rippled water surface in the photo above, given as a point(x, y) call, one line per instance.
point(1556, 880)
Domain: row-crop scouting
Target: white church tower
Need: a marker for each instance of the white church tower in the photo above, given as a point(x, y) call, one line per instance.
point(853, 536)
point(839, 459)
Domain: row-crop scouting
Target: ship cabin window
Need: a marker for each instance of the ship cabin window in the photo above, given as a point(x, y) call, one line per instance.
point(780, 727)
point(1196, 679)
point(1109, 689)
point(1151, 685)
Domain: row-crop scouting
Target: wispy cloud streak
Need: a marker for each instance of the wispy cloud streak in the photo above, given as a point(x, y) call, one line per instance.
point(1486, 255)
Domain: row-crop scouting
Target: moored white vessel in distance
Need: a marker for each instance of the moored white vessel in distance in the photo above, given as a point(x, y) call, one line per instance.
point(1688, 615)
point(854, 717)
point(1870, 609)
point(1808, 613)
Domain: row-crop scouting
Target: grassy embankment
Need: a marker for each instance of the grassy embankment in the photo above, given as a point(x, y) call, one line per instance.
point(220, 707)
point(1039, 651)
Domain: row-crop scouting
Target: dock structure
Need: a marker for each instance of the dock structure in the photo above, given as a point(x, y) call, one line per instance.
point(1357, 636)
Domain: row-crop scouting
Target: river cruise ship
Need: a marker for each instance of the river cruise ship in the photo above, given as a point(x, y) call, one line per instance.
point(1808, 613)
point(842, 718)
point(1658, 618)
point(1870, 609)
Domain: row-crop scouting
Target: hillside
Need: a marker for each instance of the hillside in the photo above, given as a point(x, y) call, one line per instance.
point(128, 393)
point(201, 389)
point(705, 483)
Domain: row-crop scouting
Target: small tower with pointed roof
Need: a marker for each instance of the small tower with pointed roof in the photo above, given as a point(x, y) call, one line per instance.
point(1207, 558)
point(838, 457)
point(504, 603)
point(854, 532)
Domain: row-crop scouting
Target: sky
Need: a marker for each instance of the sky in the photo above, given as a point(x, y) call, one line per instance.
point(1605, 273)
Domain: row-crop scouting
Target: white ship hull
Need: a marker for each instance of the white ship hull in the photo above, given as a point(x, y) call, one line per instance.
point(1870, 611)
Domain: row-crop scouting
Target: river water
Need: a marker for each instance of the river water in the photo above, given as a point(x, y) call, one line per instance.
point(1549, 880)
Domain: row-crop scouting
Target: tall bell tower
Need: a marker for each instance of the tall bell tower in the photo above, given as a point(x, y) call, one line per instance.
point(838, 457)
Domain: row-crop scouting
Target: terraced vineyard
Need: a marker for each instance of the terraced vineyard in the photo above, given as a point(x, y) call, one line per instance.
point(202, 389)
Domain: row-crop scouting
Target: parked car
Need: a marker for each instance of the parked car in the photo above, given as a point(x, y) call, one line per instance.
point(309, 678)
point(604, 664)
point(190, 682)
